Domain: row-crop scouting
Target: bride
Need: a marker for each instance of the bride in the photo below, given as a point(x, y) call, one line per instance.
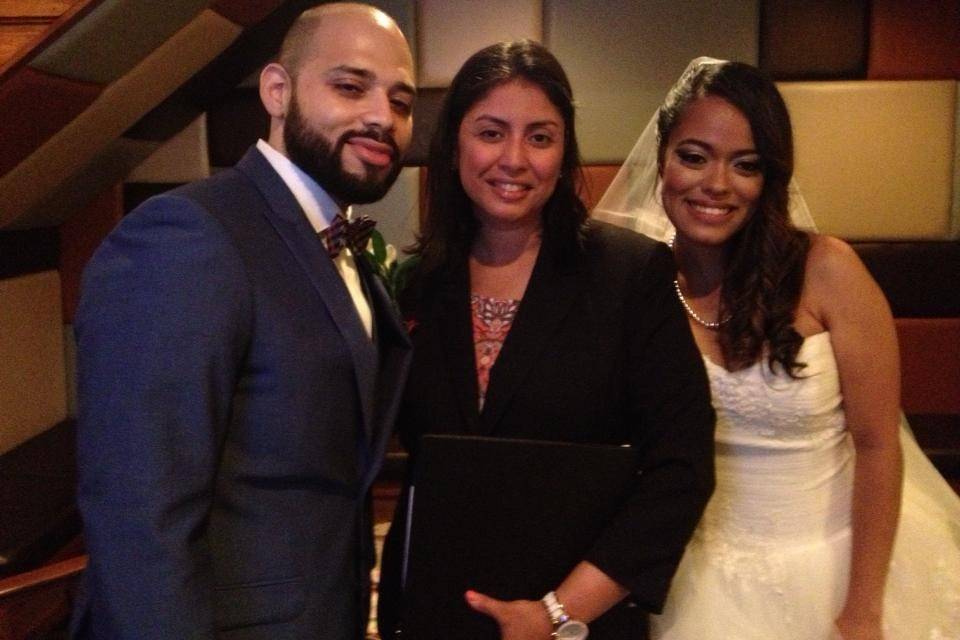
point(827, 520)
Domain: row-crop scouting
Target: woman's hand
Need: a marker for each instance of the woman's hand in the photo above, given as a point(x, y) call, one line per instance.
point(586, 594)
point(857, 627)
point(518, 619)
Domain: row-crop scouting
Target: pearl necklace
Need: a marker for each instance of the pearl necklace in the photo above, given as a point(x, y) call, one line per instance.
point(693, 314)
point(689, 309)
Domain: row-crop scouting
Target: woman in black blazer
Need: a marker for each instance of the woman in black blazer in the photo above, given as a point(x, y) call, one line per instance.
point(531, 321)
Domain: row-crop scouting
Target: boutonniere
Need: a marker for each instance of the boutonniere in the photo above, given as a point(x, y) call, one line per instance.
point(393, 273)
point(411, 324)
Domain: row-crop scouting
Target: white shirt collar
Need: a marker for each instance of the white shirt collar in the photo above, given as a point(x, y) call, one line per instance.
point(316, 203)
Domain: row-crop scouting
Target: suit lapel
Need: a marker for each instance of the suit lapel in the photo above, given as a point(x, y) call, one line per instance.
point(394, 351)
point(546, 303)
point(389, 327)
point(292, 225)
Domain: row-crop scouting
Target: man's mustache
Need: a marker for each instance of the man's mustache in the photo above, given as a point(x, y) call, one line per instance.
point(373, 133)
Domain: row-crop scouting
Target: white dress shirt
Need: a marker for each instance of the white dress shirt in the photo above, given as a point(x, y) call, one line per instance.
point(320, 210)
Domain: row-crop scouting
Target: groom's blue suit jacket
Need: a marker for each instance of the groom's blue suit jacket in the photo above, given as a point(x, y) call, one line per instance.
point(233, 415)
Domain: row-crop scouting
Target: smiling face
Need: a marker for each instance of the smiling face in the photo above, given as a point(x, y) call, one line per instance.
point(711, 172)
point(509, 153)
point(347, 116)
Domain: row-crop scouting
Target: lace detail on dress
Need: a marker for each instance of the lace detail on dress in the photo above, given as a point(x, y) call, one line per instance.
point(742, 559)
point(756, 406)
point(945, 584)
point(492, 319)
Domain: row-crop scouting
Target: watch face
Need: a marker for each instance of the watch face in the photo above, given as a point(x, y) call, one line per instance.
point(572, 630)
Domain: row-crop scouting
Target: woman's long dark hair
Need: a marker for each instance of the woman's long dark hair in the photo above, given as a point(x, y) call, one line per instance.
point(449, 226)
point(766, 258)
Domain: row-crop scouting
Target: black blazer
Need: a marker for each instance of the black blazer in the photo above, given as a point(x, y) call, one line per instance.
point(233, 415)
point(600, 351)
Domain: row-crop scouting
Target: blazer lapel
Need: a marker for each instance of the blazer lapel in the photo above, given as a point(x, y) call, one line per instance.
point(452, 316)
point(292, 225)
point(546, 303)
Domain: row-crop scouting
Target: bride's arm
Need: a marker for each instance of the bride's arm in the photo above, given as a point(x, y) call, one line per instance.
point(853, 309)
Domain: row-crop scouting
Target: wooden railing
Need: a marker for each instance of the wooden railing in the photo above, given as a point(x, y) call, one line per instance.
point(38, 601)
point(27, 27)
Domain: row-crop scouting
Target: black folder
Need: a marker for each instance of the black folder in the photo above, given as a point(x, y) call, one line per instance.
point(509, 518)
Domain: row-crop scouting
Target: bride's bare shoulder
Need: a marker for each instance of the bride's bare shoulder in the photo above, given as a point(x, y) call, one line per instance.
point(836, 280)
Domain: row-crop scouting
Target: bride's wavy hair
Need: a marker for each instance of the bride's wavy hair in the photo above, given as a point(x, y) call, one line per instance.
point(449, 227)
point(766, 258)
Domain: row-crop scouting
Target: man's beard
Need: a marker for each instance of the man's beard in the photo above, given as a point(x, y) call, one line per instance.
point(312, 153)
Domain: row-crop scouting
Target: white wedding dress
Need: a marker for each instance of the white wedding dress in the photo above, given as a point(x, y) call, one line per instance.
point(770, 558)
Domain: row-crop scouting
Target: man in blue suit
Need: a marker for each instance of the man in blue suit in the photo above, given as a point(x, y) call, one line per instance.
point(238, 378)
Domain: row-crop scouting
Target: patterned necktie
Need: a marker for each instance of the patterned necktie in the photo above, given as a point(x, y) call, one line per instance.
point(353, 234)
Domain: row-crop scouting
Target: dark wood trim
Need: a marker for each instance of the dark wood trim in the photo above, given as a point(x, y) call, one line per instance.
point(15, 21)
point(28, 251)
point(44, 575)
point(80, 235)
point(36, 603)
point(245, 12)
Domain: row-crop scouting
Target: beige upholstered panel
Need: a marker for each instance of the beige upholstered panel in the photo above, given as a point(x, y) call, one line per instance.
point(76, 192)
point(182, 158)
point(622, 57)
point(875, 159)
point(955, 209)
point(397, 214)
point(118, 107)
point(450, 32)
point(32, 385)
point(114, 37)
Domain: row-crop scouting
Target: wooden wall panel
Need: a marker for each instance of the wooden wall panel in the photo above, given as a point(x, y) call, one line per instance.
point(32, 378)
point(596, 180)
point(930, 364)
point(787, 29)
point(80, 236)
point(914, 40)
point(919, 279)
point(35, 106)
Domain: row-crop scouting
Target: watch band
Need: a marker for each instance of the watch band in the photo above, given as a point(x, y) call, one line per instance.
point(564, 627)
point(555, 609)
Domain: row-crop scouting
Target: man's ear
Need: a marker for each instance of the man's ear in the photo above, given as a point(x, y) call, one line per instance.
point(276, 87)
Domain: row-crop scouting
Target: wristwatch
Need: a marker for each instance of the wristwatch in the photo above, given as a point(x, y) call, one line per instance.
point(564, 627)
